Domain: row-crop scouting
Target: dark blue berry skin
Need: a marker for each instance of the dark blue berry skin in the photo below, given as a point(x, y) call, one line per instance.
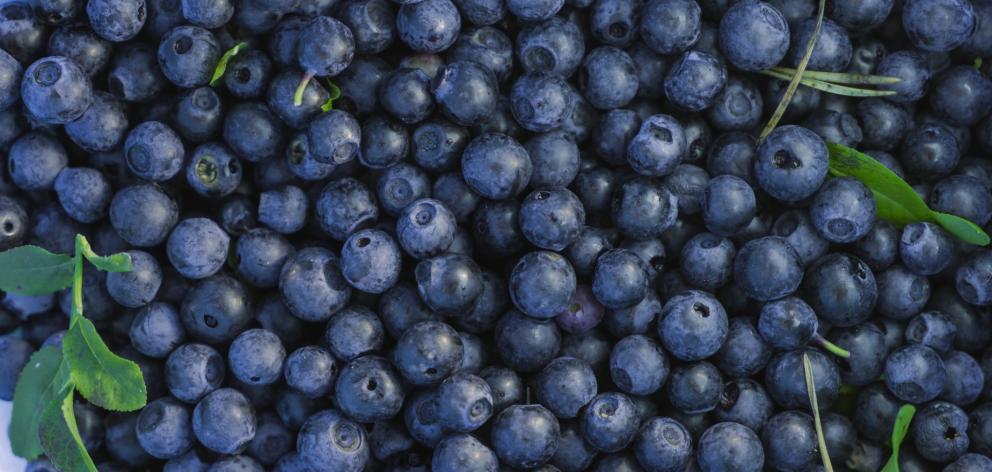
point(970, 462)
point(738, 106)
point(884, 123)
point(344, 207)
point(460, 452)
point(325, 47)
point(866, 343)
point(542, 284)
point(353, 332)
point(35, 161)
point(334, 137)
point(371, 261)
point(385, 143)
point(965, 379)
point(154, 151)
point(930, 151)
point(657, 148)
point(280, 98)
point(525, 436)
point(566, 385)
point(488, 47)
point(841, 289)
point(359, 83)
point(962, 195)
point(224, 421)
point(16, 353)
point(970, 279)
point(55, 90)
point(311, 370)
point(197, 248)
point(901, 293)
point(80, 44)
point(972, 327)
point(620, 279)
point(156, 330)
point(728, 205)
point(272, 440)
point(744, 353)
point(638, 365)
point(911, 69)
point(464, 402)
point(541, 102)
point(608, 78)
point(448, 283)
point(213, 170)
point(83, 193)
point(284, 209)
point(938, 26)
point(116, 20)
point(248, 73)
point(451, 190)
point(962, 96)
point(590, 244)
point(143, 214)
point(707, 261)
point(555, 46)
point(368, 389)
point(833, 48)
point(482, 12)
point(744, 401)
point(663, 444)
point(940, 432)
point(526, 344)
point(786, 382)
point(163, 428)
point(768, 268)
point(428, 26)
point(925, 248)
point(425, 228)
point(791, 163)
point(692, 325)
point(651, 70)
point(670, 26)
point(253, 132)
point(730, 446)
point(835, 126)
point(102, 126)
point(496, 166)
point(551, 218)
point(187, 56)
point(312, 286)
point(609, 422)
point(932, 329)
point(614, 23)
point(643, 208)
point(880, 247)
point(694, 388)
point(256, 357)
point(915, 373)
point(138, 287)
point(573, 452)
point(753, 35)
point(790, 441)
point(428, 352)
point(372, 24)
point(420, 418)
point(797, 230)
point(466, 92)
point(695, 80)
point(329, 441)
point(843, 210)
point(537, 10)
point(400, 307)
point(192, 371)
point(260, 254)
point(208, 14)
point(134, 75)
point(438, 144)
point(787, 324)
point(406, 95)
point(555, 159)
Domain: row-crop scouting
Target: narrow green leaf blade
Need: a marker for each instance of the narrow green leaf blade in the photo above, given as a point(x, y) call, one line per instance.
point(102, 377)
point(965, 230)
point(120, 262)
point(60, 437)
point(899, 430)
point(335, 92)
point(38, 385)
point(900, 200)
point(31, 270)
point(222, 63)
point(811, 390)
point(841, 77)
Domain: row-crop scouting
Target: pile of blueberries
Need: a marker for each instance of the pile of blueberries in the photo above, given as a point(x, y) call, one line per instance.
point(494, 235)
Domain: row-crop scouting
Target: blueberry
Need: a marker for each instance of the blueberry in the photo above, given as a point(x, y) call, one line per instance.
point(880, 247)
point(496, 166)
point(930, 151)
point(866, 344)
point(833, 48)
point(259, 256)
point(841, 289)
point(657, 148)
point(964, 196)
point(910, 68)
point(938, 26)
point(482, 12)
point(555, 159)
point(187, 56)
point(55, 90)
point(248, 73)
point(915, 373)
point(143, 214)
point(638, 365)
point(192, 371)
point(224, 421)
point(965, 379)
point(311, 370)
point(16, 353)
point(753, 35)
point(370, 261)
point(464, 402)
point(728, 205)
point(694, 388)
point(164, 428)
point(608, 78)
point(438, 144)
point(156, 330)
point(102, 126)
point(353, 332)
point(197, 248)
point(737, 107)
point(932, 329)
point(787, 324)
point(462, 79)
point(345, 206)
point(790, 441)
point(769, 268)
point(256, 357)
point(116, 20)
point(525, 436)
point(283, 209)
point(368, 389)
point(925, 248)
point(334, 137)
point(940, 432)
point(692, 325)
point(695, 80)
point(526, 344)
point(797, 230)
point(330, 442)
point(670, 26)
point(208, 14)
point(463, 452)
point(791, 163)
point(428, 352)
point(744, 401)
point(428, 26)
point(312, 286)
point(372, 24)
point(786, 382)
point(138, 287)
point(134, 74)
point(255, 134)
point(281, 98)
point(843, 210)
point(663, 444)
point(541, 102)
point(643, 208)
point(448, 283)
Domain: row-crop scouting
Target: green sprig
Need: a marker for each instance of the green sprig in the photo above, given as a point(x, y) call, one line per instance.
point(335, 92)
point(899, 430)
point(830, 347)
point(895, 200)
point(811, 390)
point(43, 421)
point(835, 87)
point(222, 63)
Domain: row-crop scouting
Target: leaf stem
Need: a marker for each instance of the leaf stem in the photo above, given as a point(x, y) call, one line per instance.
point(335, 93)
point(811, 389)
point(77, 279)
point(298, 95)
point(794, 83)
point(832, 348)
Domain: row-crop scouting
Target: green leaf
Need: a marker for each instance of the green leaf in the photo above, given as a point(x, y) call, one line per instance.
point(120, 262)
point(895, 200)
point(811, 390)
point(39, 384)
point(899, 430)
point(60, 436)
point(794, 83)
point(222, 63)
point(102, 377)
point(31, 270)
point(335, 94)
point(830, 87)
point(840, 77)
